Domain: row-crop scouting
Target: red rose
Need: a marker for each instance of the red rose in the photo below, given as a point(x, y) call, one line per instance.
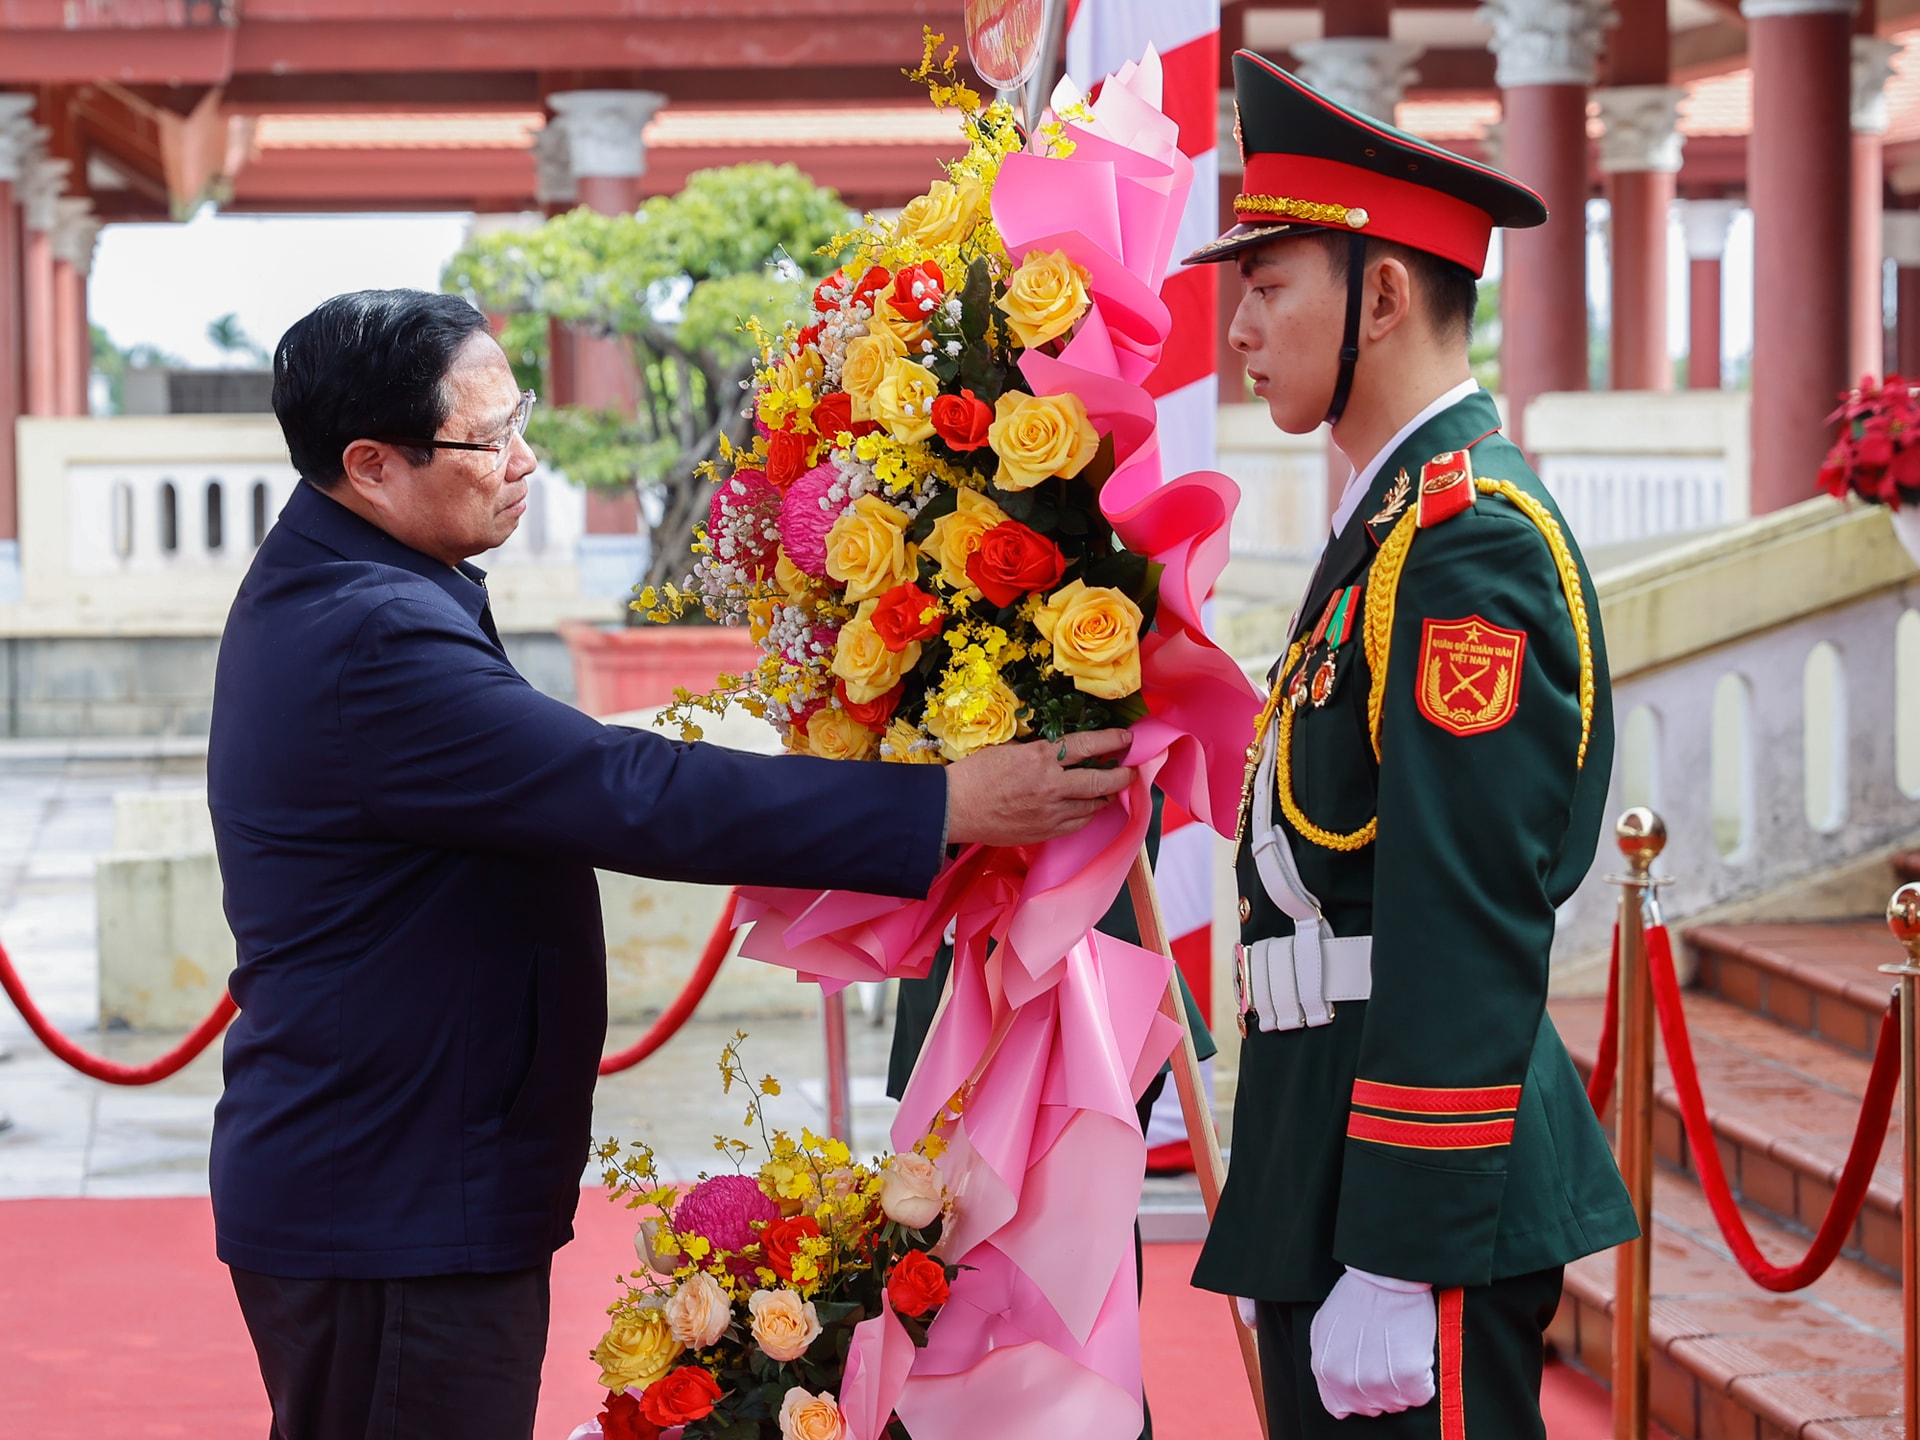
point(620, 1419)
point(902, 617)
point(780, 1241)
point(788, 452)
point(961, 420)
point(681, 1396)
point(1013, 560)
point(871, 284)
point(808, 336)
point(876, 715)
point(822, 303)
point(917, 1284)
point(932, 290)
point(832, 413)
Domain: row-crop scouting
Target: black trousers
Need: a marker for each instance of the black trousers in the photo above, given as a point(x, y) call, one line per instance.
point(418, 1359)
point(1490, 1350)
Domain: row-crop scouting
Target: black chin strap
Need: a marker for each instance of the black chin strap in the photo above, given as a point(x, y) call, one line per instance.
point(1350, 342)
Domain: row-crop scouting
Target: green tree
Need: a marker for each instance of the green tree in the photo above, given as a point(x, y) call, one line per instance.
point(1483, 354)
point(229, 337)
point(679, 282)
point(113, 362)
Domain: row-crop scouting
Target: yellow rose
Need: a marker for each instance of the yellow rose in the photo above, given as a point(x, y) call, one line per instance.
point(640, 1347)
point(1045, 296)
point(1095, 635)
point(956, 535)
point(699, 1311)
point(810, 1417)
point(1038, 437)
point(783, 1324)
point(903, 401)
point(865, 367)
point(835, 735)
point(902, 745)
point(909, 330)
point(806, 368)
point(942, 216)
point(861, 659)
point(993, 723)
point(867, 549)
point(794, 582)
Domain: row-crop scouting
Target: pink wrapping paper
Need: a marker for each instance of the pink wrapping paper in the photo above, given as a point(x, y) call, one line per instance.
point(1052, 1030)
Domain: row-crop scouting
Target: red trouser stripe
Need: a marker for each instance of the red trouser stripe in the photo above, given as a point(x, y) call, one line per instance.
point(1478, 1135)
point(1420, 1100)
point(1453, 1404)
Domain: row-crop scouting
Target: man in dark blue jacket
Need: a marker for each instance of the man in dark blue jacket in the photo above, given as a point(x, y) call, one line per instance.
point(408, 833)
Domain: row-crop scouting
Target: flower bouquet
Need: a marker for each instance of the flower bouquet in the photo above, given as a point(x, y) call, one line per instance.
point(785, 1301)
point(1877, 454)
point(952, 530)
point(915, 536)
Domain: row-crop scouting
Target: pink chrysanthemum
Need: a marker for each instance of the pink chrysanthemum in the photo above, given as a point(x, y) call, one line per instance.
point(723, 1210)
point(804, 522)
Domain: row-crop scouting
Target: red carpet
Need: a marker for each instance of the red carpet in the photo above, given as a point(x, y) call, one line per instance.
point(118, 1321)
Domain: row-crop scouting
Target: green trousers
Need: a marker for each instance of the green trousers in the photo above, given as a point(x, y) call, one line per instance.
point(1490, 1351)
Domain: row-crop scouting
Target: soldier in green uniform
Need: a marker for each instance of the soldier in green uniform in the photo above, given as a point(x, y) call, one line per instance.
point(1414, 1158)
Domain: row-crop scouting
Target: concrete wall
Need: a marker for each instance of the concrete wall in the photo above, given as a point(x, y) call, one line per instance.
point(67, 687)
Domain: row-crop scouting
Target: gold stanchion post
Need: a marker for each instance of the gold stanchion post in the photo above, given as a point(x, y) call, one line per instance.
point(1194, 1108)
point(1903, 918)
point(1642, 835)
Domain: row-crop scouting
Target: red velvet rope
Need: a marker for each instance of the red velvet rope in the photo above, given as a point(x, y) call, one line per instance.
point(1876, 1108)
point(112, 1071)
point(695, 990)
point(1607, 1056)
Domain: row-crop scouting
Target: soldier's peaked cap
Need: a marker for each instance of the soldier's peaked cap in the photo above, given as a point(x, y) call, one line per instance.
point(1313, 164)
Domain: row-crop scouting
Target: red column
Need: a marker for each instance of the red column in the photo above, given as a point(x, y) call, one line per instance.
point(1543, 288)
point(1639, 154)
point(1799, 177)
point(1867, 324)
point(36, 280)
point(1705, 223)
point(1545, 62)
point(603, 130)
point(74, 233)
point(14, 151)
point(1900, 231)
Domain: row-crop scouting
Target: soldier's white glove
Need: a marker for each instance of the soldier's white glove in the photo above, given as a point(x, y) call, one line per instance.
point(1247, 1315)
point(1372, 1345)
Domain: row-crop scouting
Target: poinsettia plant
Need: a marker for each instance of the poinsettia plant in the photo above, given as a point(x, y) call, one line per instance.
point(1877, 454)
point(758, 1283)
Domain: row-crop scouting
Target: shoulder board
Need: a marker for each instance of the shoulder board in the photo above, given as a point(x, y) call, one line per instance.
point(1446, 487)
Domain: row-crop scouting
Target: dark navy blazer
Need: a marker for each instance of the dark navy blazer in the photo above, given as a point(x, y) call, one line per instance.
point(408, 833)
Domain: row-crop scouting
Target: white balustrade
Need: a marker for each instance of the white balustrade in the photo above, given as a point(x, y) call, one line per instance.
point(153, 518)
point(1612, 499)
point(1283, 485)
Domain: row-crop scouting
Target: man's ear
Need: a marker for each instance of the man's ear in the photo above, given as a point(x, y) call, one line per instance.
point(1390, 286)
point(367, 466)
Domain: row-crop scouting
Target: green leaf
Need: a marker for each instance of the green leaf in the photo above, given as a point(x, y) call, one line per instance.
point(945, 503)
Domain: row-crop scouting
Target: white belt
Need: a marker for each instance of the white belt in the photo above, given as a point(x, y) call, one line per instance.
point(1289, 982)
point(1278, 991)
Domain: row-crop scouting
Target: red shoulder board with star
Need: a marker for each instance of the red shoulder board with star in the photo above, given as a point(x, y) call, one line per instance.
point(1446, 487)
point(1469, 677)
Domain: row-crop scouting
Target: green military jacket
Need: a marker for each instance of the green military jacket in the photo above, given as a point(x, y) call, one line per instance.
point(1436, 1131)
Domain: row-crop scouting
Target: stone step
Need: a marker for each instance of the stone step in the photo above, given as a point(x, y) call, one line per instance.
point(1731, 1361)
point(1783, 1105)
point(1820, 979)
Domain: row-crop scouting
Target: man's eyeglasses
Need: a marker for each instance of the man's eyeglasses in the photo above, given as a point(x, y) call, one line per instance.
point(517, 426)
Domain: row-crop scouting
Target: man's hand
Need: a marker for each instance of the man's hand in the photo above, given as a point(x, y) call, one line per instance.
point(1023, 794)
point(1372, 1345)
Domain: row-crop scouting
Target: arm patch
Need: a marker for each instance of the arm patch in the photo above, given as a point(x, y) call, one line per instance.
point(1469, 676)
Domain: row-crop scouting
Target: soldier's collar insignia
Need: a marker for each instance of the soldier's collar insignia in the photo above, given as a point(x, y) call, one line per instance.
point(1446, 487)
point(1398, 496)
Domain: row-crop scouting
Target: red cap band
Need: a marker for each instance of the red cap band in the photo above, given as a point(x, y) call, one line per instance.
point(1332, 193)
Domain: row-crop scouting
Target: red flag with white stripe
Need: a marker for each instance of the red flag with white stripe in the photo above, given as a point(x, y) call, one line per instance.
point(1102, 35)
